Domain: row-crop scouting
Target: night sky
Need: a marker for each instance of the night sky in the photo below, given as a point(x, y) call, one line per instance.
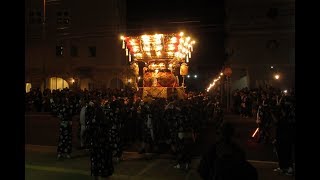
point(200, 19)
point(208, 11)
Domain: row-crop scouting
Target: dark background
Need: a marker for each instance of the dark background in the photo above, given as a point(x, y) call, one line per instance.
point(203, 20)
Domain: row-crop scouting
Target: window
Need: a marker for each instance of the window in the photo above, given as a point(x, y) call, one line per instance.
point(273, 13)
point(92, 51)
point(59, 21)
point(63, 17)
point(272, 44)
point(57, 83)
point(35, 17)
point(59, 50)
point(66, 21)
point(74, 51)
point(59, 18)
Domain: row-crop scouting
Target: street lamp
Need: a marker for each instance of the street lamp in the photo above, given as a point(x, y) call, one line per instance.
point(276, 76)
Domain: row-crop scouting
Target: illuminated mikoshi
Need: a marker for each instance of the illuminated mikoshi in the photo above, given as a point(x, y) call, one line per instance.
point(162, 55)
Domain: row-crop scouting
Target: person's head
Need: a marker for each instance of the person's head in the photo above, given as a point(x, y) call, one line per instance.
point(83, 102)
point(126, 101)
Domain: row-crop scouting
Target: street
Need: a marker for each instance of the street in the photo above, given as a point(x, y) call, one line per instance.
point(41, 162)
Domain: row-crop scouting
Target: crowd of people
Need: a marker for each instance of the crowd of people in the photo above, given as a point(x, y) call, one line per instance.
point(112, 119)
point(274, 111)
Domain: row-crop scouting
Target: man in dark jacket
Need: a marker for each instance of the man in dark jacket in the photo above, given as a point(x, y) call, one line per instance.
point(284, 142)
point(225, 160)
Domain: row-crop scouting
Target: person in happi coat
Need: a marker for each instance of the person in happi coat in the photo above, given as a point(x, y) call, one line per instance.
point(100, 150)
point(130, 121)
point(285, 136)
point(147, 128)
point(184, 139)
point(125, 116)
point(225, 159)
point(82, 123)
point(159, 126)
point(64, 112)
point(137, 119)
point(171, 117)
point(113, 115)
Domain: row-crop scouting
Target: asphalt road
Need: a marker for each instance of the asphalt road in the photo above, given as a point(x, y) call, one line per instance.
point(42, 129)
point(41, 162)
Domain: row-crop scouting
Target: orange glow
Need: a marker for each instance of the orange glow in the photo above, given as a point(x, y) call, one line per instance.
point(255, 132)
point(146, 47)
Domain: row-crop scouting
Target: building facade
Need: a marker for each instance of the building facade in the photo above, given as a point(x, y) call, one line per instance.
point(75, 44)
point(260, 43)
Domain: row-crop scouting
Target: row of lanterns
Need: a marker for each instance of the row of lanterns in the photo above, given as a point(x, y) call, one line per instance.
point(158, 46)
point(214, 82)
point(227, 71)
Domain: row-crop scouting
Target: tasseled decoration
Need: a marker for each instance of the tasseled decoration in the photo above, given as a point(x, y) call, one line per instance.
point(123, 44)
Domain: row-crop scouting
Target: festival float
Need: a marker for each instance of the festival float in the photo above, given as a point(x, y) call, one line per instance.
point(164, 58)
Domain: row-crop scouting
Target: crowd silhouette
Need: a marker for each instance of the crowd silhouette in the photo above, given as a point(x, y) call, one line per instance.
point(111, 120)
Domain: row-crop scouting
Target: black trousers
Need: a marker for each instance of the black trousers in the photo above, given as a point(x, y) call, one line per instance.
point(284, 147)
point(285, 155)
point(184, 153)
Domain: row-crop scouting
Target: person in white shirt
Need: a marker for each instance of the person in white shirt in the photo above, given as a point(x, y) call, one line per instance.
point(82, 123)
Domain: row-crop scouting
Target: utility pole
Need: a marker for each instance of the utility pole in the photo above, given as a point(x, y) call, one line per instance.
point(44, 45)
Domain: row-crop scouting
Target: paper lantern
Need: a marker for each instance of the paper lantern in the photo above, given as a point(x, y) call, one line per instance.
point(135, 68)
point(184, 69)
point(123, 44)
point(227, 71)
